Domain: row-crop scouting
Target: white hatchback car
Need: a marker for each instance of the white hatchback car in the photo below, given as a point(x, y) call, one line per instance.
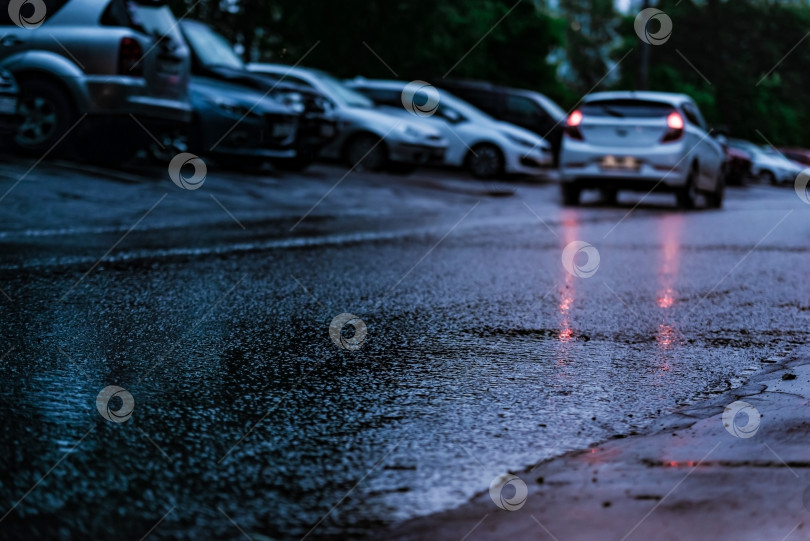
point(641, 141)
point(485, 146)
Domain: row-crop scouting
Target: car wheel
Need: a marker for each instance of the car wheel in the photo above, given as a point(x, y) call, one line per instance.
point(570, 194)
point(47, 114)
point(766, 177)
point(485, 161)
point(365, 152)
point(715, 198)
point(687, 196)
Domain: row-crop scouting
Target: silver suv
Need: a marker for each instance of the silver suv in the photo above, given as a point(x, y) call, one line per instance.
point(119, 62)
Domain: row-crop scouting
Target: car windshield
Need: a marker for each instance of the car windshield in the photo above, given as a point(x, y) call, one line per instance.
point(342, 93)
point(448, 104)
point(556, 112)
point(627, 108)
point(211, 48)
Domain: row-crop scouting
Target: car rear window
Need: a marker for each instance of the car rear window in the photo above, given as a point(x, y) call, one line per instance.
point(153, 18)
point(627, 108)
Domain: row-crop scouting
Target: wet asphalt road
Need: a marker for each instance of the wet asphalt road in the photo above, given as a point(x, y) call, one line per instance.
point(482, 353)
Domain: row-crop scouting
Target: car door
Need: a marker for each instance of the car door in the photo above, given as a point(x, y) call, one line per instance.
point(708, 151)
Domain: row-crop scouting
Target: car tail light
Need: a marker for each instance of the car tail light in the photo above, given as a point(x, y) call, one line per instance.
point(572, 125)
point(674, 128)
point(130, 55)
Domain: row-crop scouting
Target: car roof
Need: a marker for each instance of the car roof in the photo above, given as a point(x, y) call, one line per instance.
point(666, 97)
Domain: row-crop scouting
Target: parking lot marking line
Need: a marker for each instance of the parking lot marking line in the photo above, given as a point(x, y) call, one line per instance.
point(374, 467)
point(152, 529)
point(791, 531)
point(659, 502)
point(782, 59)
point(477, 524)
point(723, 279)
point(352, 168)
point(113, 247)
point(68, 52)
point(263, 96)
point(149, 133)
point(634, 207)
point(494, 26)
point(551, 535)
point(226, 210)
point(263, 417)
point(36, 163)
point(163, 36)
point(194, 327)
point(542, 221)
point(381, 60)
point(780, 459)
point(47, 473)
point(693, 67)
point(427, 253)
point(234, 523)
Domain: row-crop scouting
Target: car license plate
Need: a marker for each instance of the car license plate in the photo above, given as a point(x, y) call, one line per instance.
point(620, 163)
point(8, 106)
point(327, 130)
point(282, 129)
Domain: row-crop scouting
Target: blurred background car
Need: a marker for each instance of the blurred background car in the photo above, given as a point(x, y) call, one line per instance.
point(240, 126)
point(640, 141)
point(368, 138)
point(111, 60)
point(486, 147)
point(213, 58)
point(525, 108)
point(769, 166)
point(798, 155)
point(9, 93)
point(737, 163)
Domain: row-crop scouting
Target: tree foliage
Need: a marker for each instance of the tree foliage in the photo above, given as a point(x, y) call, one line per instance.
point(735, 57)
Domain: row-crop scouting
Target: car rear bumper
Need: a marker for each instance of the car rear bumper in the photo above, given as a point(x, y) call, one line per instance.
point(660, 164)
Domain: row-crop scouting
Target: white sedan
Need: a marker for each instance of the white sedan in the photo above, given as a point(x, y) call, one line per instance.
point(476, 141)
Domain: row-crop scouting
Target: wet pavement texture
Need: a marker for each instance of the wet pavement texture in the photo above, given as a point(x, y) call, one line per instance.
point(482, 353)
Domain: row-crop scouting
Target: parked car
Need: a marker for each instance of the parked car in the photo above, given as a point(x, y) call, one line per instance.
point(798, 155)
point(737, 164)
point(476, 141)
point(108, 59)
point(640, 141)
point(9, 93)
point(240, 125)
point(769, 165)
point(369, 138)
point(525, 108)
point(213, 58)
